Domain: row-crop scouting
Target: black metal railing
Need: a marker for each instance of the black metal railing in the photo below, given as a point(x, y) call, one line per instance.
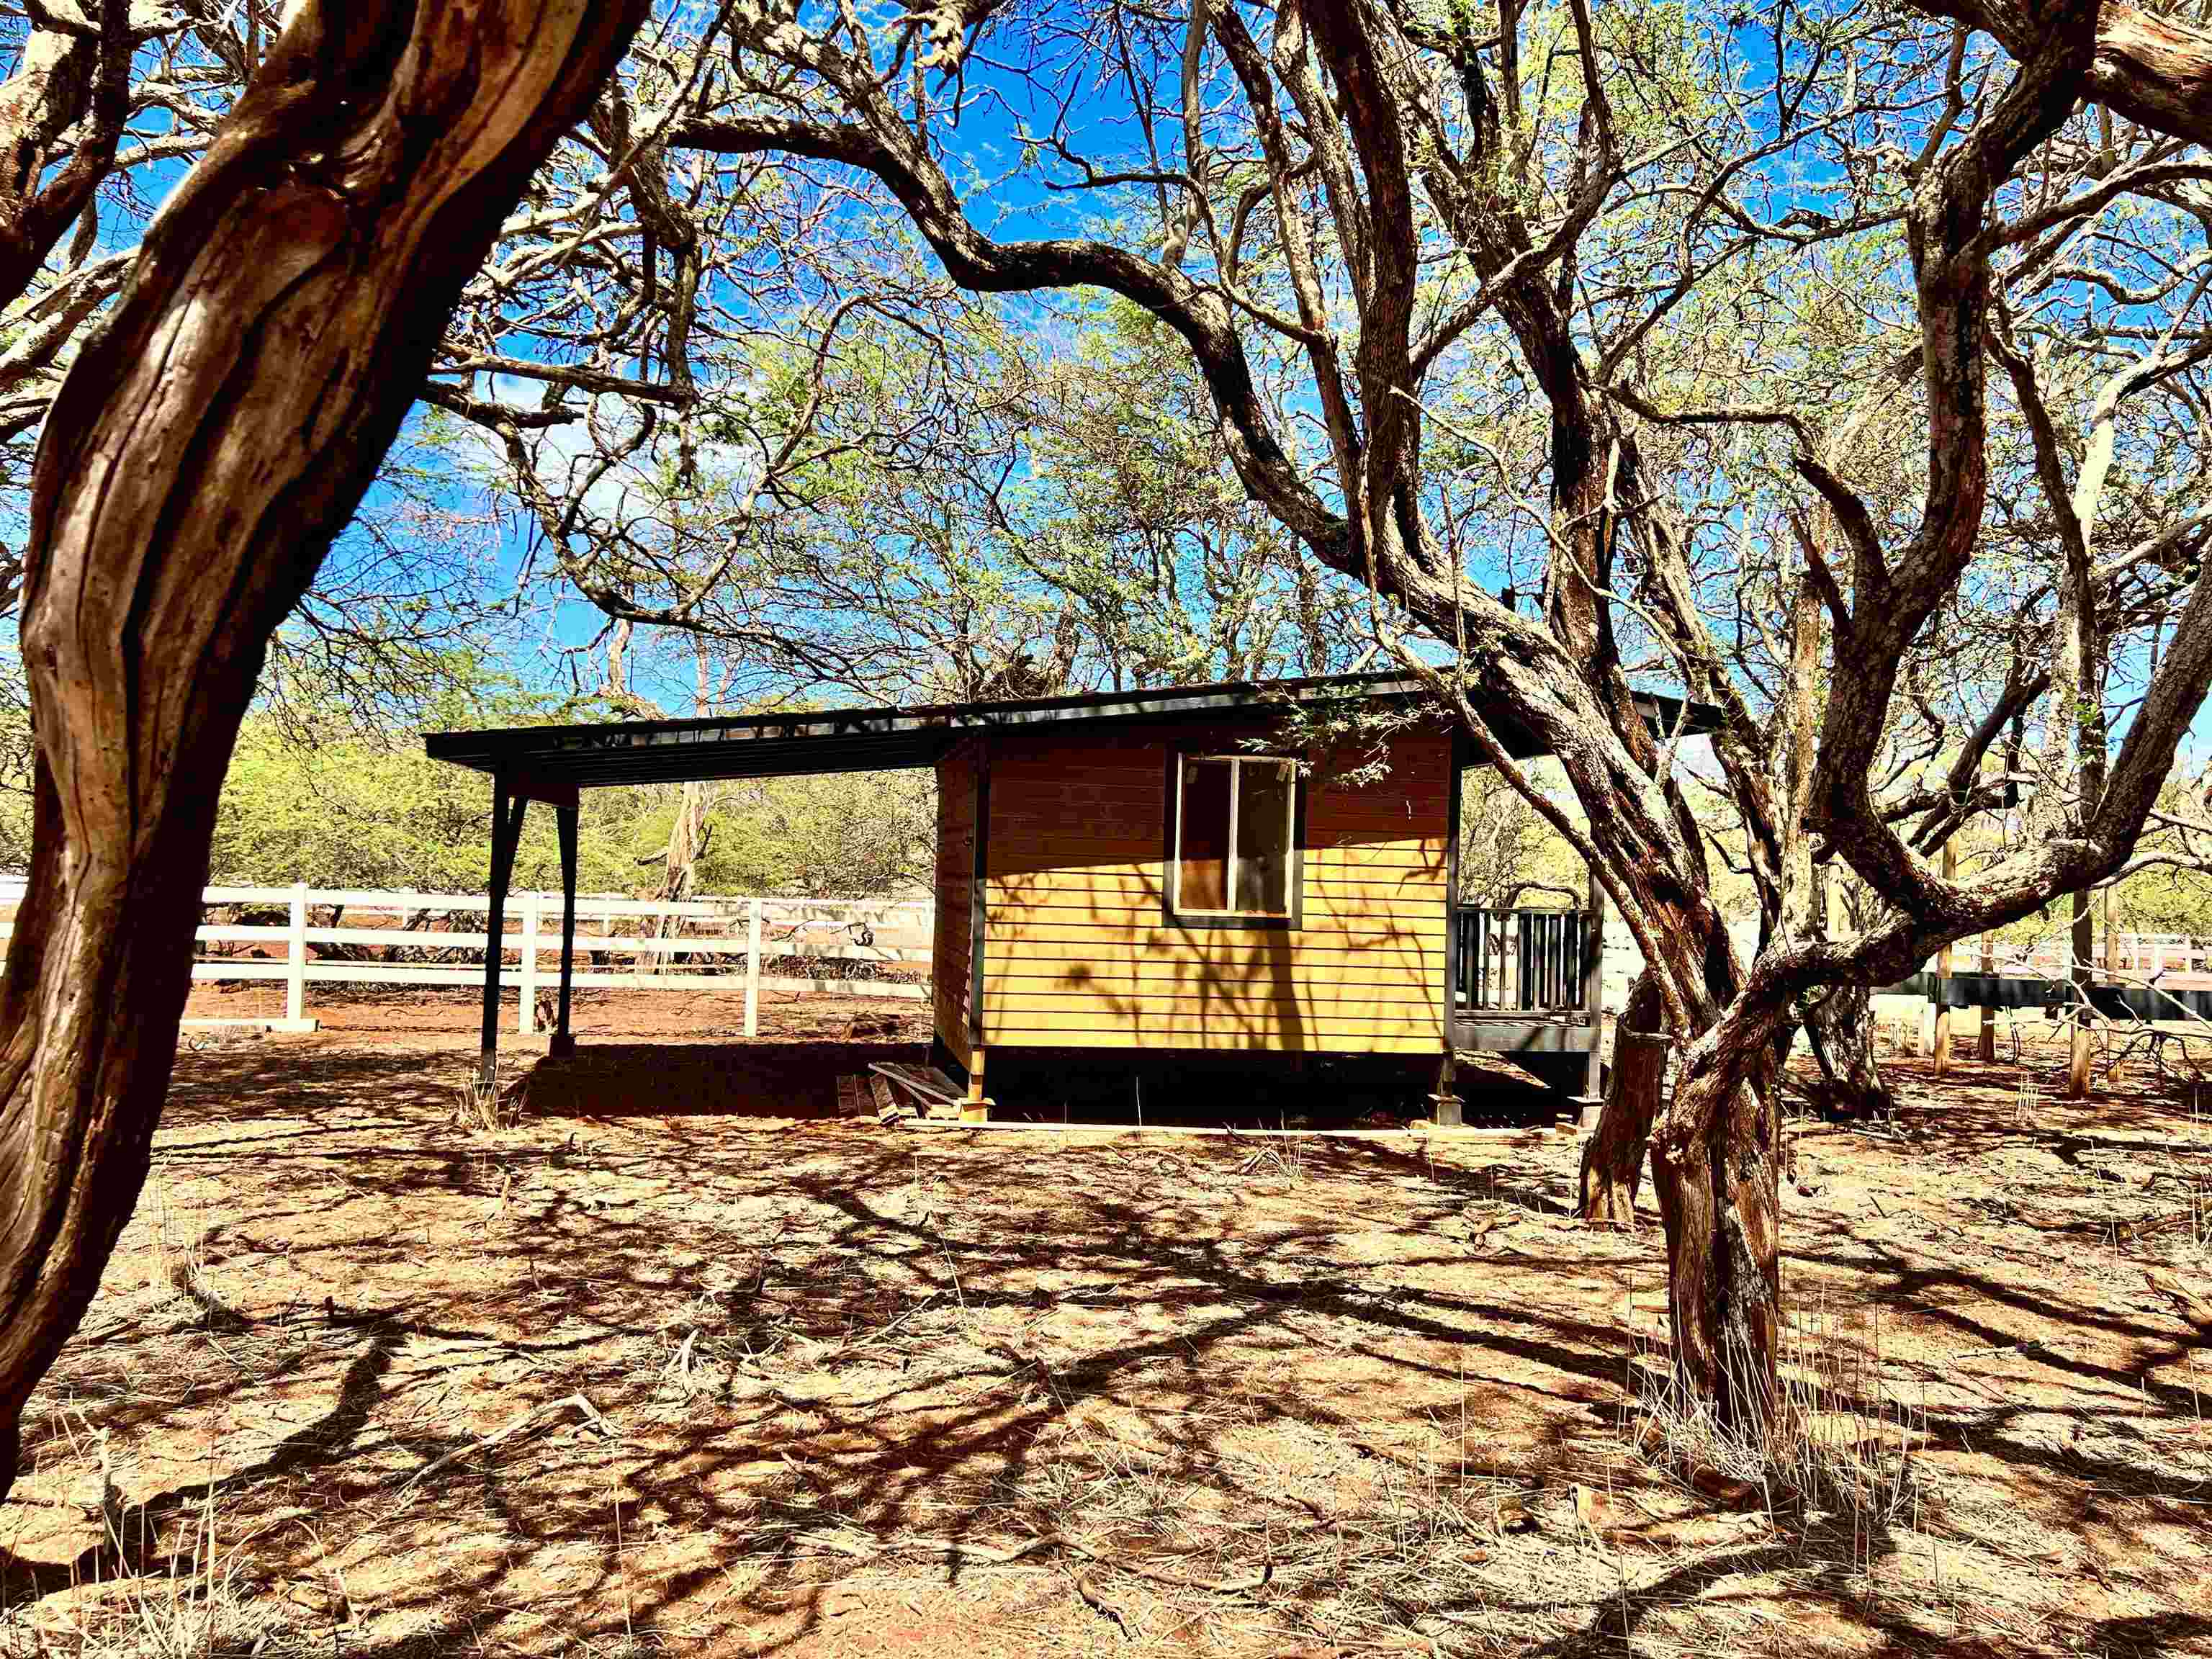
point(1519, 959)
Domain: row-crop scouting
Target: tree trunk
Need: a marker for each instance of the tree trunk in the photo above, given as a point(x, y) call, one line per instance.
point(1942, 1048)
point(1985, 1042)
point(688, 834)
point(1613, 1162)
point(1840, 1028)
point(206, 446)
point(2080, 1050)
point(1719, 1198)
point(687, 843)
point(67, 97)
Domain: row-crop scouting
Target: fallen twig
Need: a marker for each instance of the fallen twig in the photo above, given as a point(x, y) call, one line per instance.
point(1096, 1598)
point(872, 1337)
point(2194, 1306)
point(591, 1414)
point(1239, 1585)
point(990, 1555)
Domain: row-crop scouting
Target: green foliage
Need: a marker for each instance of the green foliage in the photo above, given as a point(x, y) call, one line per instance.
point(347, 814)
point(849, 835)
point(316, 793)
point(2164, 901)
point(358, 813)
point(1508, 855)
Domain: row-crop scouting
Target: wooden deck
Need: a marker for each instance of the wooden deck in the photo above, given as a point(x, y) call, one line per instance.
point(1496, 1031)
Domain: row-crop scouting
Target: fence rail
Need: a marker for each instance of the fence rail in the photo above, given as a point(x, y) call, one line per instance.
point(712, 944)
point(2146, 956)
point(2168, 958)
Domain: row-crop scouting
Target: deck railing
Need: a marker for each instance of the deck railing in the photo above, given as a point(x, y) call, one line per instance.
point(1525, 960)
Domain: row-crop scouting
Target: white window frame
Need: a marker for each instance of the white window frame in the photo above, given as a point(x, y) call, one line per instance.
point(1237, 765)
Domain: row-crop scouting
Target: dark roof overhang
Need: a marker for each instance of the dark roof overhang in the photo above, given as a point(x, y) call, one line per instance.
point(825, 740)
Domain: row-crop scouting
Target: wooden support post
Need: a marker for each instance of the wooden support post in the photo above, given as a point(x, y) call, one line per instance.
point(1454, 969)
point(979, 908)
point(2079, 949)
point(564, 818)
point(977, 1108)
point(1985, 1045)
point(295, 958)
point(1593, 1004)
point(1949, 867)
point(526, 1019)
point(507, 811)
point(1451, 1111)
point(752, 967)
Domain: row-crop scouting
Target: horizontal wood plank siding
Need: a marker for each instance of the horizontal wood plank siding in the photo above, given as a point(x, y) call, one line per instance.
point(1077, 952)
point(951, 945)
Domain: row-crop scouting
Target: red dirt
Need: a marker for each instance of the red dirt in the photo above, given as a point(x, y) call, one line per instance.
point(686, 1016)
point(1254, 1396)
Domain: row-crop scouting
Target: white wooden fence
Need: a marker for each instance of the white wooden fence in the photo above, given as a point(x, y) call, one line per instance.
point(2167, 957)
point(716, 944)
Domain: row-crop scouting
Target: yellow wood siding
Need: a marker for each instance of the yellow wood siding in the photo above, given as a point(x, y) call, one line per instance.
point(1077, 951)
point(952, 943)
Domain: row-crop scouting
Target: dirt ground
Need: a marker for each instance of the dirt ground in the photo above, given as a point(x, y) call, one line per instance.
point(680, 1364)
point(718, 1015)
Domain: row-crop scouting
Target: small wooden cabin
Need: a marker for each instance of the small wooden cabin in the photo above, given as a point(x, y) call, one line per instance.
point(1215, 870)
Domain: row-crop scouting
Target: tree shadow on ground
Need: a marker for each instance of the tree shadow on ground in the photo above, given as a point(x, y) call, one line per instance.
point(824, 1353)
point(606, 1081)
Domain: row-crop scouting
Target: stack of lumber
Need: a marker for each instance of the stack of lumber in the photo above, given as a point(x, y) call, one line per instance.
point(892, 1091)
point(853, 1096)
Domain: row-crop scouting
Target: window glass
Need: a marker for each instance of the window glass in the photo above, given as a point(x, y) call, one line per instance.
point(1202, 851)
point(1263, 837)
point(1234, 839)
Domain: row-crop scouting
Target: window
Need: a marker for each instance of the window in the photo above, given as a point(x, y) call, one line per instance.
point(1235, 837)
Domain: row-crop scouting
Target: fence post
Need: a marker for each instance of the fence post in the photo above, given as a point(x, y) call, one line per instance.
point(752, 966)
point(526, 1021)
point(1941, 1046)
point(1985, 1044)
point(295, 956)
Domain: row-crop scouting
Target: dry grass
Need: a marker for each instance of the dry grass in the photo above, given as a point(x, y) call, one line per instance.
point(1838, 1451)
point(1283, 1160)
point(486, 1107)
point(844, 1390)
point(176, 1588)
point(176, 1236)
point(2191, 1220)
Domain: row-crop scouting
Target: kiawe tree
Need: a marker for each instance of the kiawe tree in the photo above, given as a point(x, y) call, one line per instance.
point(103, 107)
point(203, 452)
point(1357, 190)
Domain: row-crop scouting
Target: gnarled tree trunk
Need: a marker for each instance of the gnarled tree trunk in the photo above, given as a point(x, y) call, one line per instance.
point(1719, 1193)
point(206, 447)
point(1613, 1162)
point(1840, 1029)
